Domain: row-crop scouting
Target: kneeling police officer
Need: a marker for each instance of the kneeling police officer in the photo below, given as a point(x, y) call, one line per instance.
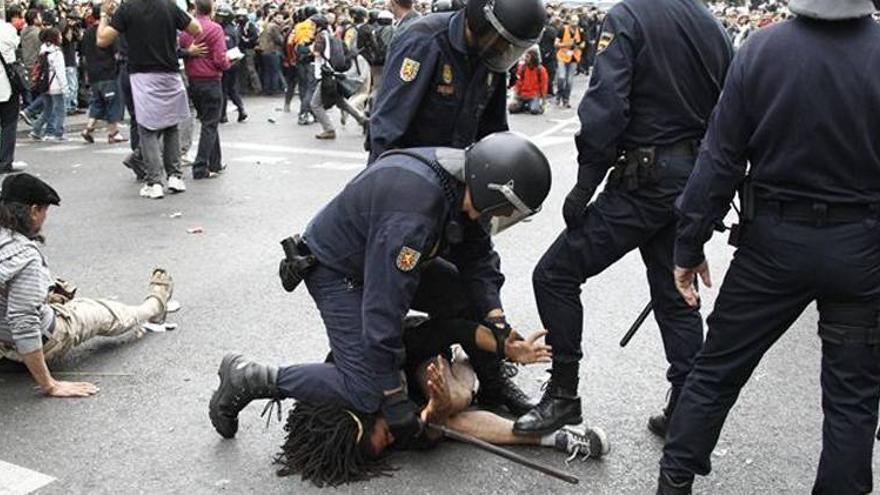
point(410, 232)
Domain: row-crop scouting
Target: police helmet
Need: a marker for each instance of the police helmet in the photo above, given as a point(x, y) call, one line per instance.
point(385, 18)
point(505, 29)
point(309, 11)
point(241, 12)
point(358, 14)
point(832, 10)
point(224, 11)
point(373, 16)
point(508, 177)
point(320, 21)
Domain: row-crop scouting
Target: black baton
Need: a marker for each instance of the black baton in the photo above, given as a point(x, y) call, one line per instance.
point(636, 325)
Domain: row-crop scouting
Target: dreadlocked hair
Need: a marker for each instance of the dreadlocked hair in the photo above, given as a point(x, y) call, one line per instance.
point(322, 446)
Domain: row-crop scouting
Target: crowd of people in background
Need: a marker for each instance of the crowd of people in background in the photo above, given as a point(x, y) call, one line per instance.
point(319, 57)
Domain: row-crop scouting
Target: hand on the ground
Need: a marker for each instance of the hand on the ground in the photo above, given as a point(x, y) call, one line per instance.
point(439, 395)
point(197, 50)
point(684, 282)
point(528, 351)
point(71, 389)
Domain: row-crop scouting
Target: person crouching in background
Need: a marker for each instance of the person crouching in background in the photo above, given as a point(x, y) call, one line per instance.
point(530, 90)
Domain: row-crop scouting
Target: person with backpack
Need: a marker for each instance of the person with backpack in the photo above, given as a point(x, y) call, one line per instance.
point(332, 60)
point(49, 80)
point(380, 39)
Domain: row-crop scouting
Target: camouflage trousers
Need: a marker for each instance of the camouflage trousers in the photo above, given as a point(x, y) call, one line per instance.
point(79, 320)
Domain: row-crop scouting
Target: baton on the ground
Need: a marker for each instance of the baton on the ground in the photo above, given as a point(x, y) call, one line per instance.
point(507, 454)
point(636, 325)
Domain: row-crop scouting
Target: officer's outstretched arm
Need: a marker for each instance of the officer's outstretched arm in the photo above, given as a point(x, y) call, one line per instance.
point(406, 79)
point(605, 110)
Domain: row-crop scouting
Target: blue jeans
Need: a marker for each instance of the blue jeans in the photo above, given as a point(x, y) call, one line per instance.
point(52, 117)
point(270, 73)
point(565, 75)
point(71, 99)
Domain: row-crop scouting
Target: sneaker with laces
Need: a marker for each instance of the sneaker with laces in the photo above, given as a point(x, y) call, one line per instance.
point(154, 191)
point(176, 185)
point(18, 166)
point(591, 443)
point(36, 137)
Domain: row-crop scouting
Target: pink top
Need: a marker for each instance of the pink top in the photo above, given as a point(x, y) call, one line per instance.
point(213, 63)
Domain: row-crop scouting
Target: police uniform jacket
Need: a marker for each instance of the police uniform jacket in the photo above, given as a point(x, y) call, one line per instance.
point(381, 229)
point(774, 114)
point(434, 91)
point(659, 69)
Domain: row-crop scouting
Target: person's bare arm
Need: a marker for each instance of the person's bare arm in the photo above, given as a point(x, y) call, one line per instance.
point(106, 35)
point(194, 28)
point(36, 365)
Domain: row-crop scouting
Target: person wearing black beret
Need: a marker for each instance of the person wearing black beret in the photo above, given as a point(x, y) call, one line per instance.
point(41, 318)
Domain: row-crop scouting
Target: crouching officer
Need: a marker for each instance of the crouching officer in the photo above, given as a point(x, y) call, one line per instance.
point(376, 253)
point(653, 88)
point(445, 79)
point(811, 205)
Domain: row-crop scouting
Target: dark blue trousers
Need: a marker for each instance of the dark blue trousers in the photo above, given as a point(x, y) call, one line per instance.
point(348, 381)
point(617, 222)
point(779, 269)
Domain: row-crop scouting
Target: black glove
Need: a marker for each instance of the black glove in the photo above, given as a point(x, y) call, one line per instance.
point(575, 207)
point(403, 420)
point(500, 330)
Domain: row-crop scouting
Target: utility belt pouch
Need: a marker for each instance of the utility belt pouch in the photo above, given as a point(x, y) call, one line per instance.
point(635, 168)
point(296, 263)
point(747, 212)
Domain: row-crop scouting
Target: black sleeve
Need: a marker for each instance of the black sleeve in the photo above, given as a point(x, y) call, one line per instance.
point(181, 18)
point(119, 22)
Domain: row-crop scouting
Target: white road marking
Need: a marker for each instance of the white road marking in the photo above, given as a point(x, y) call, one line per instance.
point(59, 148)
point(261, 159)
point(556, 128)
point(338, 165)
point(16, 480)
point(350, 155)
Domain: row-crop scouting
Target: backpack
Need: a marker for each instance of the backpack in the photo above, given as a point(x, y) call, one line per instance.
point(380, 39)
point(39, 75)
point(340, 55)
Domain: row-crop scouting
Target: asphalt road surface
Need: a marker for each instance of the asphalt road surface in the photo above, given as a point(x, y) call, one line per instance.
point(148, 429)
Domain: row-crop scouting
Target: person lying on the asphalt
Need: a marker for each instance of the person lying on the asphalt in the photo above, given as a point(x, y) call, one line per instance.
point(41, 320)
point(328, 444)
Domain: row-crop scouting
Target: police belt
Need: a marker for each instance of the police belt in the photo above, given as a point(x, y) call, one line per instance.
point(817, 212)
point(637, 167)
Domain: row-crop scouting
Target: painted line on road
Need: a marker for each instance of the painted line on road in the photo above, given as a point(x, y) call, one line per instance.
point(338, 166)
point(350, 155)
point(556, 128)
point(16, 480)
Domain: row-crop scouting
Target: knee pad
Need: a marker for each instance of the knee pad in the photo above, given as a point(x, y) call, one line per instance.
point(850, 323)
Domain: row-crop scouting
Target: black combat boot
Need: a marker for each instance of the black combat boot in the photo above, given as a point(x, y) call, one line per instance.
point(660, 423)
point(241, 381)
point(667, 485)
point(497, 387)
point(559, 406)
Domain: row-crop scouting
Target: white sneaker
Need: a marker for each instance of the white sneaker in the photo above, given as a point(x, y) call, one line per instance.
point(176, 185)
point(18, 166)
point(153, 192)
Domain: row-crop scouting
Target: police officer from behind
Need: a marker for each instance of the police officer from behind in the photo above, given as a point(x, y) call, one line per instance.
point(811, 205)
point(658, 73)
point(444, 82)
point(369, 247)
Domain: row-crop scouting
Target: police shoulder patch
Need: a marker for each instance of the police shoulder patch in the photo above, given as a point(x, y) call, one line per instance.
point(409, 69)
point(407, 259)
point(604, 42)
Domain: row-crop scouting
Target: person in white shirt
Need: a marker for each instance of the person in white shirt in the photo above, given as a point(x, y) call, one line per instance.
point(9, 101)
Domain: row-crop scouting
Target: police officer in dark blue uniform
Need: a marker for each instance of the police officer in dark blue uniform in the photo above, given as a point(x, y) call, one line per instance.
point(444, 82)
point(370, 247)
point(796, 108)
point(659, 69)
point(226, 18)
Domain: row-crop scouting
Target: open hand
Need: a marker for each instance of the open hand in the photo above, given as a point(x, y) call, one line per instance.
point(684, 282)
point(528, 351)
point(197, 50)
point(71, 389)
point(439, 396)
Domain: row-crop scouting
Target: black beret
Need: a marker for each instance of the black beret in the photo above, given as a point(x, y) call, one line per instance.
point(26, 189)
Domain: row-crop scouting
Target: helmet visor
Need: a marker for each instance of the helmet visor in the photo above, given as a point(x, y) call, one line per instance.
point(506, 216)
point(503, 49)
